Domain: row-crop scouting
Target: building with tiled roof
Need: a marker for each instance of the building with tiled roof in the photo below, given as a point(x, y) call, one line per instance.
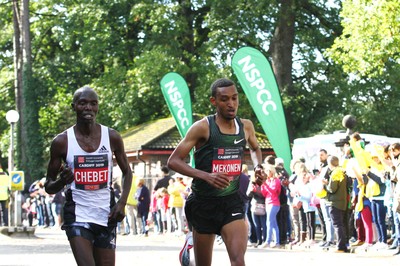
point(149, 145)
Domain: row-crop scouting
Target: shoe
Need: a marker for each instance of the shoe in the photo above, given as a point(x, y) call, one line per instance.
point(342, 251)
point(184, 255)
point(352, 239)
point(327, 244)
point(366, 246)
point(322, 243)
point(275, 246)
point(390, 241)
point(250, 244)
point(380, 246)
point(357, 243)
point(398, 252)
point(394, 245)
point(264, 245)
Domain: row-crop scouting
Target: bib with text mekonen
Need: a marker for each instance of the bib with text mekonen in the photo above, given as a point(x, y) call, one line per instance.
point(91, 171)
point(227, 160)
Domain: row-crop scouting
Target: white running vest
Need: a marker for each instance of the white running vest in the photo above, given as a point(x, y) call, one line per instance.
point(91, 191)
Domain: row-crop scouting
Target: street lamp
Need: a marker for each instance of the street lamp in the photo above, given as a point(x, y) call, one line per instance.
point(12, 117)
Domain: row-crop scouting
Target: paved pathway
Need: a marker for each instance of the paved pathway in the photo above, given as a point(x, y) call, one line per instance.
point(50, 247)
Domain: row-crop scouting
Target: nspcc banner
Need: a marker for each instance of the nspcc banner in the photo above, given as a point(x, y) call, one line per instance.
point(177, 96)
point(258, 82)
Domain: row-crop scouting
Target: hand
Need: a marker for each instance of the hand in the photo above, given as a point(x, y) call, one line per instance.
point(66, 174)
point(219, 180)
point(117, 212)
point(259, 176)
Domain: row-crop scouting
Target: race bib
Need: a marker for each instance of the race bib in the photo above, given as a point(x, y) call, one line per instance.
point(227, 160)
point(91, 171)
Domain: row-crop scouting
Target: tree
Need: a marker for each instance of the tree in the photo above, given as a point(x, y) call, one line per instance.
point(123, 48)
point(371, 37)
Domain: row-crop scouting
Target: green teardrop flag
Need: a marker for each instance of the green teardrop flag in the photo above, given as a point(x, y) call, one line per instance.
point(257, 79)
point(177, 96)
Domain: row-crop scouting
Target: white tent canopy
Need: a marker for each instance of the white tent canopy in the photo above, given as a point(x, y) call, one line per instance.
point(309, 148)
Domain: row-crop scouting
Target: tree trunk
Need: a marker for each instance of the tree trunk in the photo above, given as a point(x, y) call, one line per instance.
point(281, 52)
point(188, 45)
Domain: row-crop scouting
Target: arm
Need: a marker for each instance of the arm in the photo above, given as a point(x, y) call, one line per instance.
point(378, 179)
point(117, 146)
point(196, 135)
point(255, 151)
point(58, 153)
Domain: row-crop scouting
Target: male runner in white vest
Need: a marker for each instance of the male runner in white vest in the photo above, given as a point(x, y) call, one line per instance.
point(81, 160)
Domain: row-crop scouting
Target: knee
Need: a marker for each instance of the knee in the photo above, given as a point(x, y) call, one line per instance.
point(237, 259)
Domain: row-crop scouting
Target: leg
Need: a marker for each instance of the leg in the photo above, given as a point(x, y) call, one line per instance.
point(234, 235)
point(337, 219)
point(144, 223)
point(328, 222)
point(252, 229)
point(203, 246)
point(274, 224)
point(5, 212)
point(281, 220)
point(303, 225)
point(381, 221)
point(104, 256)
point(179, 218)
point(322, 222)
point(257, 221)
point(129, 219)
point(360, 229)
point(366, 216)
point(396, 224)
point(83, 251)
point(296, 224)
point(137, 227)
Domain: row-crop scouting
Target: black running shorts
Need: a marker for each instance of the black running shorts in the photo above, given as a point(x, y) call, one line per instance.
point(100, 236)
point(209, 215)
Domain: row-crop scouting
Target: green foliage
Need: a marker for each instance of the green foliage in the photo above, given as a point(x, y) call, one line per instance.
point(123, 48)
point(34, 165)
point(371, 36)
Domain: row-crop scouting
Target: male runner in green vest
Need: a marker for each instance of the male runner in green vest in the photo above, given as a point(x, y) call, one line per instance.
point(215, 207)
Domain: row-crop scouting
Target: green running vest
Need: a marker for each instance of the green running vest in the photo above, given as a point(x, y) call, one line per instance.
point(221, 153)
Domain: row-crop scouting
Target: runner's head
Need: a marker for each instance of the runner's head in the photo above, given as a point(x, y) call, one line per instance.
point(86, 104)
point(225, 98)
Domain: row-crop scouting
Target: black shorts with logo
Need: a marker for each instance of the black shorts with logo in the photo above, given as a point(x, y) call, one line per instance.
point(208, 215)
point(99, 236)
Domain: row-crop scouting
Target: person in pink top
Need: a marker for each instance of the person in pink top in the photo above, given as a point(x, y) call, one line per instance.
point(271, 189)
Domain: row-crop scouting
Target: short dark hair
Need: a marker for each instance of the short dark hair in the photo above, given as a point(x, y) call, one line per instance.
point(394, 146)
point(356, 136)
point(165, 169)
point(220, 83)
point(270, 159)
point(79, 91)
point(334, 161)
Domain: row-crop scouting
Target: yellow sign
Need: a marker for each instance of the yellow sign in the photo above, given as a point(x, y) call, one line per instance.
point(4, 183)
point(17, 179)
